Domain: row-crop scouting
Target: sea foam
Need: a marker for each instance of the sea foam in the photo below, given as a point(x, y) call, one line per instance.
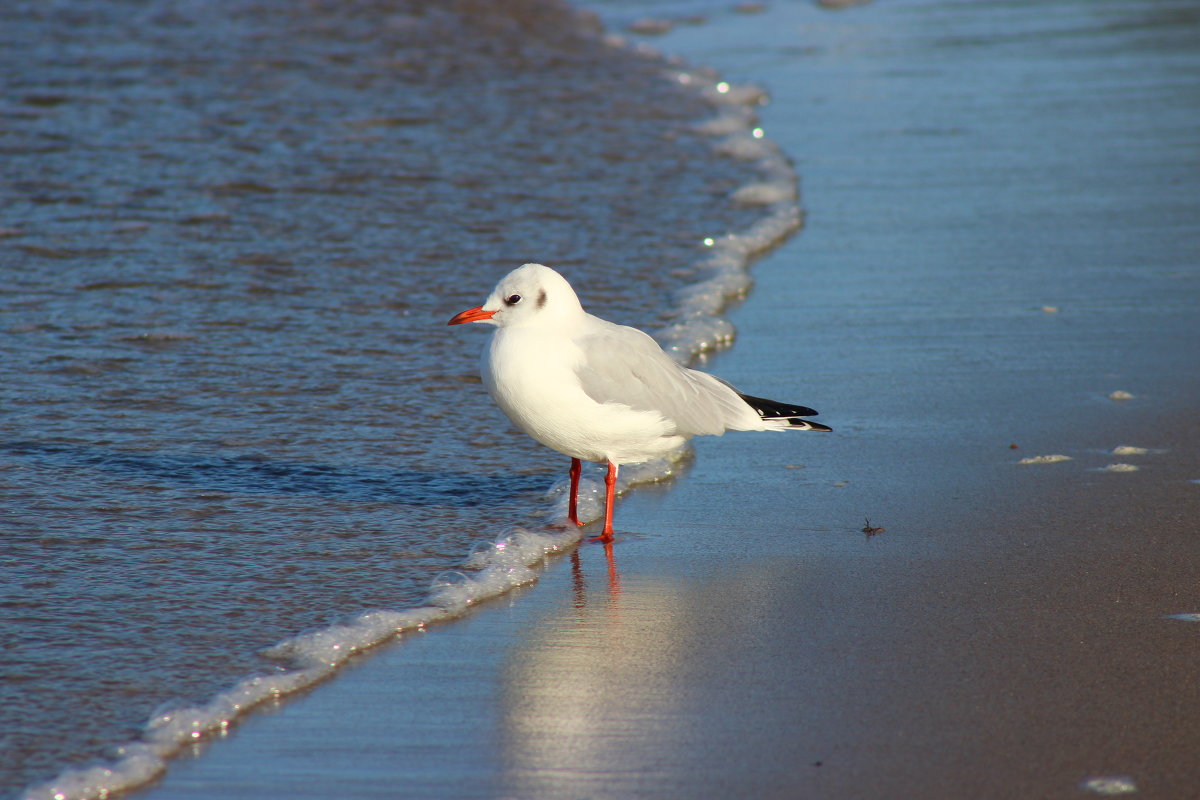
point(1050, 459)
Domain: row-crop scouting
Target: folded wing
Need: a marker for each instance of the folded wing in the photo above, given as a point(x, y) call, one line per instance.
point(624, 365)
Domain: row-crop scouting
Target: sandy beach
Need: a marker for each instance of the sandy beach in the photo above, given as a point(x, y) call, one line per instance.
point(1001, 238)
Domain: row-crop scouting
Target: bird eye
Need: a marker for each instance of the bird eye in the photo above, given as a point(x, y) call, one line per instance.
point(513, 299)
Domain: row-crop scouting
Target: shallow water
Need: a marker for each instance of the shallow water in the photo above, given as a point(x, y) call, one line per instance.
point(232, 234)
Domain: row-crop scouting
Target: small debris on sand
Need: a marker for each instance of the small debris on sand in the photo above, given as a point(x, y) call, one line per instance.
point(869, 530)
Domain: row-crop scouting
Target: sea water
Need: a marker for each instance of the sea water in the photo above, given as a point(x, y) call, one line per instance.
point(237, 440)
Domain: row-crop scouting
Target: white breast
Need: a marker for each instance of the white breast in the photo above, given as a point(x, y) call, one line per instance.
point(533, 376)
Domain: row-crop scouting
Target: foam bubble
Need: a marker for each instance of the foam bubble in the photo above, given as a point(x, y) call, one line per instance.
point(480, 555)
point(764, 194)
point(1120, 395)
point(709, 297)
point(1129, 450)
point(744, 146)
point(650, 26)
point(1051, 459)
point(687, 339)
point(729, 119)
point(1111, 784)
point(1120, 468)
point(743, 95)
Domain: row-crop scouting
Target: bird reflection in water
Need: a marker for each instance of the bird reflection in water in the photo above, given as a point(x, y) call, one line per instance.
point(602, 681)
point(579, 582)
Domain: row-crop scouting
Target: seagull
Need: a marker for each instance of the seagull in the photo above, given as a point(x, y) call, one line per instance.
point(597, 391)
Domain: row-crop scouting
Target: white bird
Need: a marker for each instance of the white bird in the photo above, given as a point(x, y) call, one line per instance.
point(598, 391)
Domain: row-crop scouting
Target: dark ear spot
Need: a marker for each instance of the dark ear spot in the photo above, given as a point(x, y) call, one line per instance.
point(541, 301)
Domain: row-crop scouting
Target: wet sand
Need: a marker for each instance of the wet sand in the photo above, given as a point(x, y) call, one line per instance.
point(974, 275)
point(1013, 650)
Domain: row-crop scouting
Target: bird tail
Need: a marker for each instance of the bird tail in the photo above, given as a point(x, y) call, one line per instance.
point(773, 411)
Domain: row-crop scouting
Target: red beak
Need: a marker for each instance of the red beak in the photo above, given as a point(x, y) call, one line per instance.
point(476, 314)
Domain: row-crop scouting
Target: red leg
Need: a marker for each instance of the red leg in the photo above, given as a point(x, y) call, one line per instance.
point(610, 486)
point(573, 502)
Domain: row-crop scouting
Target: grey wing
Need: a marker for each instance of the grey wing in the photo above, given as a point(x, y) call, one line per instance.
point(625, 365)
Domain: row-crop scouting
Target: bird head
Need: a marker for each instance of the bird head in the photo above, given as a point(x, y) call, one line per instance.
point(529, 295)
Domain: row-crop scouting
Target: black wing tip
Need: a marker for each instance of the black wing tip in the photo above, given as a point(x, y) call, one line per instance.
point(809, 425)
point(773, 409)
